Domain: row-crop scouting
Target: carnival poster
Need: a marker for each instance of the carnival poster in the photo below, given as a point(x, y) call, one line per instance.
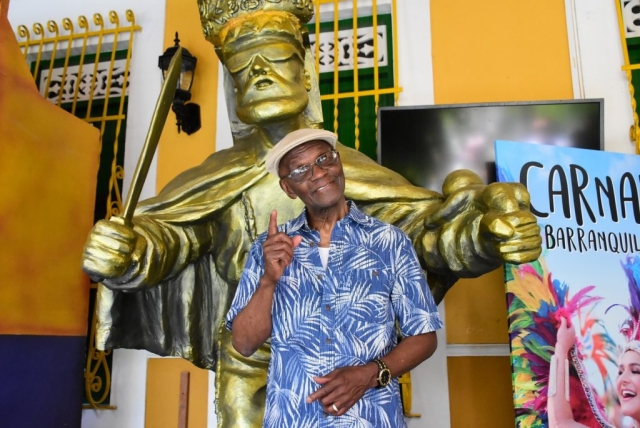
point(588, 207)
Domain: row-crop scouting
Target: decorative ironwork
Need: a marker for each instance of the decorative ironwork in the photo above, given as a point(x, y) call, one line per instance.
point(631, 17)
point(63, 86)
point(344, 53)
point(74, 69)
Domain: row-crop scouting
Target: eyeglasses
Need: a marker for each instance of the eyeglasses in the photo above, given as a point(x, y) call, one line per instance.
point(304, 172)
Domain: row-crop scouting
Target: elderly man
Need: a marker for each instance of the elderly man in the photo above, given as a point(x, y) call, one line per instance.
point(328, 289)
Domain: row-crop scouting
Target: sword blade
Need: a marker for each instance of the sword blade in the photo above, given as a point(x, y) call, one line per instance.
point(167, 93)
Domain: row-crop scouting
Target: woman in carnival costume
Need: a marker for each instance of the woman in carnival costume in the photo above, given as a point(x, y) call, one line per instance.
point(561, 408)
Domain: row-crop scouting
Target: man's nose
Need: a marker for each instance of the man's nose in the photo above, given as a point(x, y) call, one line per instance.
point(259, 66)
point(317, 171)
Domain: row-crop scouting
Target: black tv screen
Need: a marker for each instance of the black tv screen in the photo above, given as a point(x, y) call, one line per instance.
point(425, 143)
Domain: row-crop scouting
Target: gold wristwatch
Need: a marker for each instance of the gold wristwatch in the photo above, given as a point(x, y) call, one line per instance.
point(384, 374)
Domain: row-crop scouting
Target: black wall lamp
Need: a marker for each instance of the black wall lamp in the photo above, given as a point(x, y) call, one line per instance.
point(187, 114)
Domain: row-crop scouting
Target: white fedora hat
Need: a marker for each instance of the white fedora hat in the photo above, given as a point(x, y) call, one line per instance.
point(292, 140)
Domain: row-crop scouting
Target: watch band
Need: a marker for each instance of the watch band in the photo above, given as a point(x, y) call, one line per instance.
point(384, 374)
point(381, 364)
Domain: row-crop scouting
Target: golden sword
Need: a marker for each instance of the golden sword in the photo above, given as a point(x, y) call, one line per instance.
point(158, 120)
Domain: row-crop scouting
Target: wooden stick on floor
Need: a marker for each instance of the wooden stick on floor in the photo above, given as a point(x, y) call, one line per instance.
point(183, 410)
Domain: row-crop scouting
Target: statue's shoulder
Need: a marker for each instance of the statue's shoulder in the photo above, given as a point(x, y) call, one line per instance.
point(218, 166)
point(369, 181)
point(243, 153)
point(213, 184)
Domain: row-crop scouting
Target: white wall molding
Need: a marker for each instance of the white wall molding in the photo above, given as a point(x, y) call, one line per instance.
point(478, 350)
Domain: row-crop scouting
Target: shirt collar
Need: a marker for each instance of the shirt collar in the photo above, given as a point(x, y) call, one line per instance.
point(354, 214)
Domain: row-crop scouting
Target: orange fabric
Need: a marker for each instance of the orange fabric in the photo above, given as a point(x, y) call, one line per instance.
point(48, 167)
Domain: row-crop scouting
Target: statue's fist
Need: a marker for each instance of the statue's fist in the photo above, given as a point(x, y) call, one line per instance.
point(112, 250)
point(508, 225)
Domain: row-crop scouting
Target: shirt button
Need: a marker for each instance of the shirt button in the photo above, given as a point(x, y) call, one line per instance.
point(328, 307)
point(328, 340)
point(313, 244)
point(319, 276)
point(375, 273)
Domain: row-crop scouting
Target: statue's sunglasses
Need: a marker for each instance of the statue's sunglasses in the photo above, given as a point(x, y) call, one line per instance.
point(304, 172)
point(273, 52)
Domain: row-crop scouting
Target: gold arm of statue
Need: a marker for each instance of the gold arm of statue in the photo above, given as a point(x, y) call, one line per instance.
point(167, 93)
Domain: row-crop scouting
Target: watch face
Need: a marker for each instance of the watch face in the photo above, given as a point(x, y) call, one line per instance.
point(384, 377)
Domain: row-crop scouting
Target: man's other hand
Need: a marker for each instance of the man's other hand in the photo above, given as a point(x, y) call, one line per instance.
point(343, 387)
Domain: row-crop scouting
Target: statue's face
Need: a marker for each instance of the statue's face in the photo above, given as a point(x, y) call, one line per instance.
point(270, 81)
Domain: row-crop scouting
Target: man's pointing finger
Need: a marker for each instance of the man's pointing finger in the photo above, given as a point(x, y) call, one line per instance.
point(273, 223)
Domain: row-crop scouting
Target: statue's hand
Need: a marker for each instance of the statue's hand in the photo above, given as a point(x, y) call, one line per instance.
point(462, 189)
point(508, 227)
point(112, 252)
point(477, 228)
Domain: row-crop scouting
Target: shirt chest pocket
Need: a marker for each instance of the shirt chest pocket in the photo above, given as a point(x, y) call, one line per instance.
point(371, 286)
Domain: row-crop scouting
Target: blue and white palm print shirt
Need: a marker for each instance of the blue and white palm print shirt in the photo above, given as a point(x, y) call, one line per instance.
point(340, 316)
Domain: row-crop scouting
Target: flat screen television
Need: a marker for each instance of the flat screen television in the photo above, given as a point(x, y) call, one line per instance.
point(425, 143)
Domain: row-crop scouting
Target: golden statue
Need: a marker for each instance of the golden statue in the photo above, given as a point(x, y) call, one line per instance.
point(167, 283)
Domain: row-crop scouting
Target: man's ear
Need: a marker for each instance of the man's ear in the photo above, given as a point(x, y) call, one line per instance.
point(307, 80)
point(287, 189)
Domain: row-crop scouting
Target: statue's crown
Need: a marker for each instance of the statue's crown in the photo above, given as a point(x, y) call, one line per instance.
point(223, 20)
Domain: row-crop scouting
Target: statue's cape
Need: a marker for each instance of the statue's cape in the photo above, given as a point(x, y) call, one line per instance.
point(160, 319)
point(208, 187)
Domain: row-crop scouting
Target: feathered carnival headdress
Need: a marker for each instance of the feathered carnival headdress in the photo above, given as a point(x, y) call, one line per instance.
point(631, 327)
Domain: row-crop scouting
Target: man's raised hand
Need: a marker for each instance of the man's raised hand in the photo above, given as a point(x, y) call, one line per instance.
point(278, 250)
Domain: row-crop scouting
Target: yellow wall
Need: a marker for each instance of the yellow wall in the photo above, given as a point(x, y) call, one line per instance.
point(178, 152)
point(470, 322)
point(163, 393)
point(499, 50)
point(483, 392)
point(496, 50)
